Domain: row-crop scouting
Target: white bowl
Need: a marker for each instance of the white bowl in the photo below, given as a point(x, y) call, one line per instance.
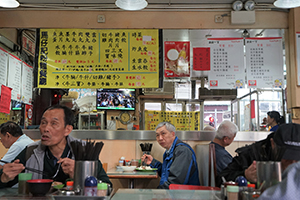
point(128, 168)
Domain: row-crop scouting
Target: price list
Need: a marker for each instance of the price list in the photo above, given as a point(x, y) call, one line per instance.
point(227, 63)
point(264, 61)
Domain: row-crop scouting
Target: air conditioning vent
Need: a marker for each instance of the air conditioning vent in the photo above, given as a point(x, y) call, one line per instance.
point(168, 89)
point(224, 94)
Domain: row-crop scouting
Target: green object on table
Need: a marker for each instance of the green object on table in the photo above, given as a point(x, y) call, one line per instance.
point(25, 176)
point(23, 187)
point(58, 187)
point(146, 170)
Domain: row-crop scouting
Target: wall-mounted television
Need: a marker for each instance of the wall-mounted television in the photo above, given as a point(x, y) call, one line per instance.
point(115, 99)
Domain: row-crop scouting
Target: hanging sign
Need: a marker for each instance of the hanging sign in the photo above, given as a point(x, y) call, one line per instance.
point(14, 76)
point(177, 59)
point(298, 56)
point(5, 99)
point(3, 66)
point(88, 58)
point(201, 59)
point(227, 63)
point(264, 61)
point(27, 80)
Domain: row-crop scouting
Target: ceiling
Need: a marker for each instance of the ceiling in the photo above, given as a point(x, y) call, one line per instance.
point(210, 5)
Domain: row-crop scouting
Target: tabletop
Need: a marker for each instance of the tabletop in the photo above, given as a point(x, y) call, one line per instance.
point(12, 193)
point(160, 194)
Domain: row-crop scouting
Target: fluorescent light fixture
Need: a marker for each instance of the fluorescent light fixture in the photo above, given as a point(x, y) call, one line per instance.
point(132, 4)
point(9, 3)
point(287, 3)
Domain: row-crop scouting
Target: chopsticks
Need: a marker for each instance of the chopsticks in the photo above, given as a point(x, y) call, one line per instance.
point(30, 169)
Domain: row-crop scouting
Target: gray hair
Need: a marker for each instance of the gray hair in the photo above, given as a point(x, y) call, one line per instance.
point(226, 129)
point(170, 127)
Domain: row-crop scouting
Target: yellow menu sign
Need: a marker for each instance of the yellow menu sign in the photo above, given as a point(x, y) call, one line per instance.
point(88, 58)
point(182, 120)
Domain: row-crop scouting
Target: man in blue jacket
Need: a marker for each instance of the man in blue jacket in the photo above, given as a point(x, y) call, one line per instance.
point(179, 161)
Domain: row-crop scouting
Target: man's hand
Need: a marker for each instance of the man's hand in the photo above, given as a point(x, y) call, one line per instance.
point(11, 170)
point(147, 159)
point(250, 173)
point(67, 166)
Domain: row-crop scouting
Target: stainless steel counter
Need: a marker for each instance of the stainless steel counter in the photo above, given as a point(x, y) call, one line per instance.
point(127, 135)
point(150, 135)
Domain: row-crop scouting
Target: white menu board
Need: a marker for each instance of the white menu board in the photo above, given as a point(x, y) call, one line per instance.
point(264, 61)
point(227, 63)
point(27, 78)
point(14, 77)
point(298, 56)
point(3, 67)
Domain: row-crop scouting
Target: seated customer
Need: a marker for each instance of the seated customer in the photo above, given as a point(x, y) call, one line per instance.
point(179, 161)
point(224, 136)
point(52, 154)
point(289, 141)
point(13, 139)
point(245, 163)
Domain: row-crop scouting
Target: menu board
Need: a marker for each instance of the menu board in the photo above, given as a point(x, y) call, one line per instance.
point(182, 120)
point(3, 67)
point(89, 58)
point(264, 61)
point(177, 59)
point(14, 76)
point(298, 56)
point(227, 63)
point(27, 83)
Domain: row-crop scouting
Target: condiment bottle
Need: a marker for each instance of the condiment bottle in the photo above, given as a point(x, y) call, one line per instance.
point(242, 183)
point(122, 161)
point(101, 189)
point(90, 186)
point(70, 185)
point(232, 192)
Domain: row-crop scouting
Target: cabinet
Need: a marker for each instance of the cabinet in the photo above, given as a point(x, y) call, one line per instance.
point(93, 121)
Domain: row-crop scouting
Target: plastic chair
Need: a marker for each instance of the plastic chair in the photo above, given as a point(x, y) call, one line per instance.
point(191, 187)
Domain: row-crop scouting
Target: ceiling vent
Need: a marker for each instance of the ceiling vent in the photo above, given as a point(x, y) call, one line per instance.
point(168, 89)
point(219, 94)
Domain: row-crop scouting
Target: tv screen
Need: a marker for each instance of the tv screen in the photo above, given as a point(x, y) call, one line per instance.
point(115, 99)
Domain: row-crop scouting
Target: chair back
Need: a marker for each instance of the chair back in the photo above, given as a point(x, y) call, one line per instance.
point(206, 161)
point(191, 187)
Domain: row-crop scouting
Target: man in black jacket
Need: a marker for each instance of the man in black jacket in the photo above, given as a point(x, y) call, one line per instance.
point(245, 163)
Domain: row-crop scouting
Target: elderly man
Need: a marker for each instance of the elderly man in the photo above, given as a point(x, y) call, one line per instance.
point(179, 161)
point(245, 163)
point(225, 134)
point(287, 144)
point(13, 139)
point(52, 154)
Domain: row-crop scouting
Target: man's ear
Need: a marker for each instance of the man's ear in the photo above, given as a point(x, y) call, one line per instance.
point(68, 129)
point(8, 134)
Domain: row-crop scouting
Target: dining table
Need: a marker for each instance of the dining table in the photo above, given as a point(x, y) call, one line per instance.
point(118, 173)
point(163, 194)
point(12, 194)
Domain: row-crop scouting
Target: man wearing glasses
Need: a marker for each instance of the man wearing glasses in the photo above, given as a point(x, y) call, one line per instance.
point(179, 161)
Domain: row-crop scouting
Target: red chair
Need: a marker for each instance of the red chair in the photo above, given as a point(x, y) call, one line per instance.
point(191, 187)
